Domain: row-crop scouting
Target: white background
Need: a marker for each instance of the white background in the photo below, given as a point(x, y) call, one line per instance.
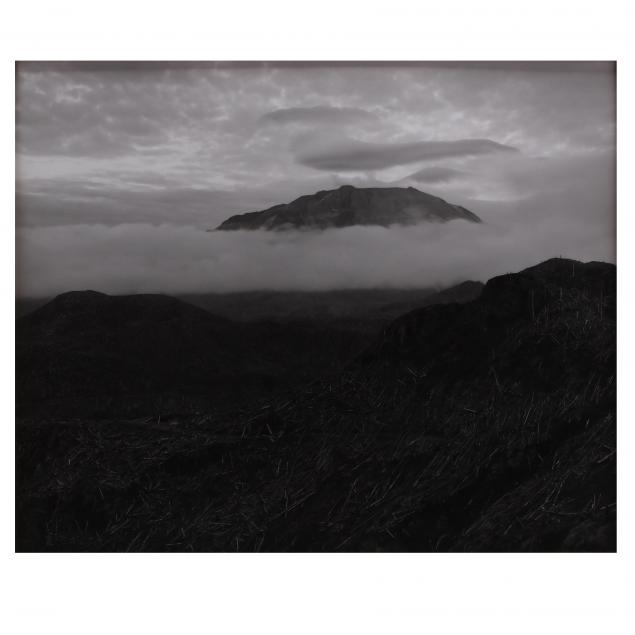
point(356, 593)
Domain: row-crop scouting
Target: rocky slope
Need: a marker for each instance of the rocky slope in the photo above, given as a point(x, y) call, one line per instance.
point(348, 205)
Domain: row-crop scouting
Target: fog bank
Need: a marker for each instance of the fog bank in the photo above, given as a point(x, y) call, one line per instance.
point(144, 258)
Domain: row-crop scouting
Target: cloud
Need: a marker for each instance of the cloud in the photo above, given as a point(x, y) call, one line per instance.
point(171, 259)
point(121, 167)
point(144, 198)
point(573, 216)
point(78, 116)
point(436, 174)
point(357, 155)
point(160, 66)
point(318, 115)
point(206, 119)
point(73, 203)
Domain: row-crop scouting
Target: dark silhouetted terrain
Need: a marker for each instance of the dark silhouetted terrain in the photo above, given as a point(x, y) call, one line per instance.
point(357, 310)
point(342, 305)
point(91, 354)
point(349, 205)
point(487, 425)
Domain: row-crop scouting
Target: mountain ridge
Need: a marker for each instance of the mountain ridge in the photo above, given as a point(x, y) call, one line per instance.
point(483, 426)
point(347, 206)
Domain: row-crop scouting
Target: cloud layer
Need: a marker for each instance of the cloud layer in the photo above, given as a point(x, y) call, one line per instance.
point(170, 259)
point(574, 221)
point(354, 156)
point(436, 174)
point(318, 114)
point(122, 167)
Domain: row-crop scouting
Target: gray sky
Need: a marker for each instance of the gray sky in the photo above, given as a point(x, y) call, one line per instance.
point(121, 168)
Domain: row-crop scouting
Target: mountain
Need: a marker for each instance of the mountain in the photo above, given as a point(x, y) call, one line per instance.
point(483, 426)
point(337, 305)
point(348, 205)
point(90, 354)
point(367, 309)
point(458, 341)
point(463, 292)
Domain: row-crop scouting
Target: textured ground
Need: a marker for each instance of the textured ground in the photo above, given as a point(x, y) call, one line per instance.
point(485, 426)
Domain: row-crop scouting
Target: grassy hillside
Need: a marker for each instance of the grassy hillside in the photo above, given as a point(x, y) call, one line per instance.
point(486, 426)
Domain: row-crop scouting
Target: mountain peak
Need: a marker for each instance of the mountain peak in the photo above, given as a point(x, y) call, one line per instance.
point(349, 205)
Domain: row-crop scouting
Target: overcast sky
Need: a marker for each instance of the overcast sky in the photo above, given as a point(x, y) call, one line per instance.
point(122, 167)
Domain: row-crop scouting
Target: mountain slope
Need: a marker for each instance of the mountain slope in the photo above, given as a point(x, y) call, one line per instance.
point(348, 205)
point(91, 354)
point(366, 309)
point(488, 426)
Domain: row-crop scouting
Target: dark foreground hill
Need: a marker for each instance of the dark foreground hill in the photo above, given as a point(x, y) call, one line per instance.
point(349, 205)
point(487, 426)
point(91, 354)
point(374, 306)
